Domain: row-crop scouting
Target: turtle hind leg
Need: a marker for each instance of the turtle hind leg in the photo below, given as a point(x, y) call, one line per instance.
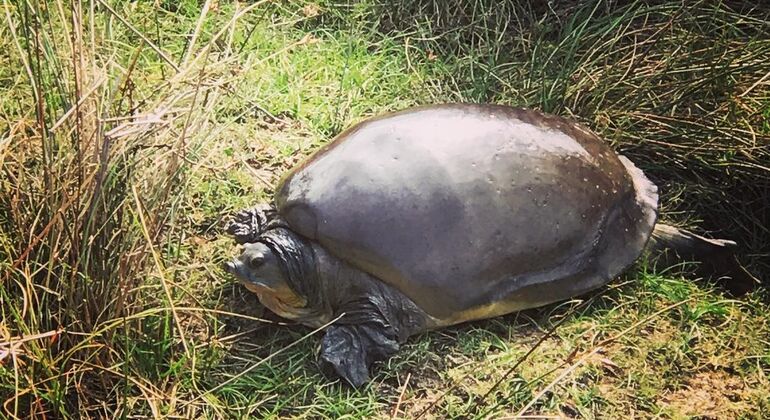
point(349, 350)
point(716, 256)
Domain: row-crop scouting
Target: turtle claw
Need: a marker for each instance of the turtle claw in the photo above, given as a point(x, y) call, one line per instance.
point(349, 350)
point(248, 224)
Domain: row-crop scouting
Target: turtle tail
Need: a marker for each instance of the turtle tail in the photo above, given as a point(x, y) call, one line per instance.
point(716, 257)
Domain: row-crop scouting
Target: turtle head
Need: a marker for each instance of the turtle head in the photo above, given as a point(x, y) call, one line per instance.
point(259, 269)
point(279, 273)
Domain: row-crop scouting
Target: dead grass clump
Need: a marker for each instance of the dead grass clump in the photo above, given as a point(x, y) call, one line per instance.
point(710, 394)
point(90, 169)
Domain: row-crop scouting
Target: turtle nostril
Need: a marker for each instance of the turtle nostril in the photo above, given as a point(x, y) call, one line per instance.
point(230, 267)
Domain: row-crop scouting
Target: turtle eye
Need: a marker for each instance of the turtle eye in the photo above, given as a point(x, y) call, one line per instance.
point(256, 261)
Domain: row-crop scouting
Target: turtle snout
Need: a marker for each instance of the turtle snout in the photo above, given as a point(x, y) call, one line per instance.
point(231, 267)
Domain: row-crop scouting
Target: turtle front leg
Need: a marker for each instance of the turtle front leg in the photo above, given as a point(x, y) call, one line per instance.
point(375, 319)
point(349, 350)
point(248, 224)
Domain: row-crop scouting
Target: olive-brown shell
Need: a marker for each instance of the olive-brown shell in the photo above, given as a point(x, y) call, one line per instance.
point(473, 210)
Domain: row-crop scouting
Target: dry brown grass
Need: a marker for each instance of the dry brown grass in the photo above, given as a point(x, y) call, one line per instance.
point(91, 171)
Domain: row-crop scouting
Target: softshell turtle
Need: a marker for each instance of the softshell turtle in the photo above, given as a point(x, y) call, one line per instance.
point(444, 214)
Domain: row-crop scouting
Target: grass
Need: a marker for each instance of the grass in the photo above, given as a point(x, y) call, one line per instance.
point(132, 130)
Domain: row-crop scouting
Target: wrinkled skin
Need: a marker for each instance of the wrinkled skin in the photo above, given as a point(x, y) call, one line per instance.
point(439, 215)
point(375, 318)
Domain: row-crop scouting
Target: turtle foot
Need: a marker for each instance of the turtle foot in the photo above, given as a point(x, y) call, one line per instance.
point(349, 350)
point(248, 224)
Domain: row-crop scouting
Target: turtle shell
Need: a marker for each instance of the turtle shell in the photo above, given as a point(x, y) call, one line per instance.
point(473, 211)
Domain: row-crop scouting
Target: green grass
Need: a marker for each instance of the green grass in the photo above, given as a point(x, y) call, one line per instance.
point(113, 302)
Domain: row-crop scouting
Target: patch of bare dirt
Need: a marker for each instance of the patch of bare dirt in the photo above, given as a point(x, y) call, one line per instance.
point(710, 394)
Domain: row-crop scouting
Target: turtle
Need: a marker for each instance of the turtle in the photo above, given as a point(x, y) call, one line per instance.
point(442, 214)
